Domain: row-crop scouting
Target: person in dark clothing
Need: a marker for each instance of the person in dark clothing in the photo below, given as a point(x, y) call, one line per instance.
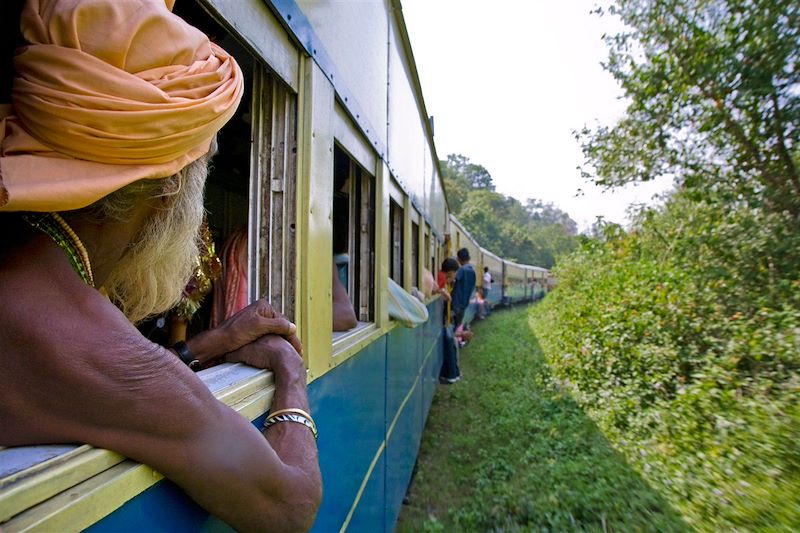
point(449, 373)
point(463, 287)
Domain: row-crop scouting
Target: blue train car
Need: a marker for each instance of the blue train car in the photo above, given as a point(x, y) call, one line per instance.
point(329, 161)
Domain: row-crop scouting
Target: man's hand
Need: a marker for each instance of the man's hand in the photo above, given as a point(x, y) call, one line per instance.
point(243, 328)
point(270, 352)
point(256, 320)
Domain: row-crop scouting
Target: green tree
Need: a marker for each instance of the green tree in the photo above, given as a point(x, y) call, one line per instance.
point(471, 175)
point(482, 215)
point(455, 183)
point(714, 99)
point(478, 177)
point(535, 233)
point(548, 213)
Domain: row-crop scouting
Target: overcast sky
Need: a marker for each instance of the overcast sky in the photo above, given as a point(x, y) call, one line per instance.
point(508, 81)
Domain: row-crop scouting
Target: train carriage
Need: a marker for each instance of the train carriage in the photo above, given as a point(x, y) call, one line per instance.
point(329, 163)
point(495, 265)
point(515, 283)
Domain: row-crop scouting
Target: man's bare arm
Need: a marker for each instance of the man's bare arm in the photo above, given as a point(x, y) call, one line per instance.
point(75, 370)
point(344, 317)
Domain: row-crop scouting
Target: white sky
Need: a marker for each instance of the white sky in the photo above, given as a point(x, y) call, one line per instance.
point(508, 81)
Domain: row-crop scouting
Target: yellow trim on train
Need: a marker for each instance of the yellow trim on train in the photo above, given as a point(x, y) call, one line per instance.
point(74, 490)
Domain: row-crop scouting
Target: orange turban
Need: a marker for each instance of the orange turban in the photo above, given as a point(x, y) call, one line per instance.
point(108, 92)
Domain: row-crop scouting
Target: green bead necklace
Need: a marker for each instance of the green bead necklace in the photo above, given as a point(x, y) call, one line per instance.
point(65, 237)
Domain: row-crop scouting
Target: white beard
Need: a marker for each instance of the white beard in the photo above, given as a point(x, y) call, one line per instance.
point(152, 273)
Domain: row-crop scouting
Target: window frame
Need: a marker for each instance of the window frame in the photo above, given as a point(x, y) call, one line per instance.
point(397, 248)
point(362, 239)
point(414, 249)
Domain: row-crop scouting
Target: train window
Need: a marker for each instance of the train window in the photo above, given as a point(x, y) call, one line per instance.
point(226, 204)
point(427, 258)
point(353, 237)
point(415, 254)
point(396, 242)
point(248, 247)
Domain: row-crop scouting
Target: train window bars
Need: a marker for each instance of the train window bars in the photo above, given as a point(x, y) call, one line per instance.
point(249, 200)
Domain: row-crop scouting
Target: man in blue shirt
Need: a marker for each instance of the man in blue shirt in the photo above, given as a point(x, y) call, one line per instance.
point(463, 287)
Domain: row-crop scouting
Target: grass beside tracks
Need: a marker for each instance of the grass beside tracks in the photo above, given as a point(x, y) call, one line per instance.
point(505, 450)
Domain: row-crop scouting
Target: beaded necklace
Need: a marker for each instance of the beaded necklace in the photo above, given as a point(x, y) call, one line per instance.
point(65, 237)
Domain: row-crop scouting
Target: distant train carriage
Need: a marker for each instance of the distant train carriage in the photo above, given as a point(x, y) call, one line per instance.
point(495, 266)
point(328, 166)
point(513, 283)
point(461, 238)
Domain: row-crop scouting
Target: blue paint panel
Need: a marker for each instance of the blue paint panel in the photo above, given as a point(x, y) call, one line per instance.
point(348, 405)
point(495, 294)
point(430, 370)
point(402, 366)
point(368, 516)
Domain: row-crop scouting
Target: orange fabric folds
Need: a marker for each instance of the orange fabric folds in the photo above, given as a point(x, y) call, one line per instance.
point(108, 92)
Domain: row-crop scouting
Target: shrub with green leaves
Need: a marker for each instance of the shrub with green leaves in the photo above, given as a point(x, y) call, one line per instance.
point(681, 338)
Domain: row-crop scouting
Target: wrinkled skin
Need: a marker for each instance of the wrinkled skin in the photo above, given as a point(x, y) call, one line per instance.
point(76, 370)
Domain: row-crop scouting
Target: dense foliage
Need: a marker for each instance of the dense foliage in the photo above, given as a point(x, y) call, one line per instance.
point(681, 336)
point(682, 340)
point(534, 233)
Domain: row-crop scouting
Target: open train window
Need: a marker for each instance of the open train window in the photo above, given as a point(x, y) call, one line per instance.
point(354, 234)
point(414, 254)
point(428, 257)
point(249, 202)
point(396, 242)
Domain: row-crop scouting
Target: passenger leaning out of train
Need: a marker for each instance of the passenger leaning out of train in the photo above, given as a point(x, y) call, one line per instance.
point(463, 286)
point(104, 158)
point(446, 276)
point(344, 314)
point(429, 286)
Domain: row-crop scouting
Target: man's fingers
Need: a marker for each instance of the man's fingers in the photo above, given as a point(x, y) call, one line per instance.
point(266, 310)
point(295, 342)
point(275, 323)
point(277, 326)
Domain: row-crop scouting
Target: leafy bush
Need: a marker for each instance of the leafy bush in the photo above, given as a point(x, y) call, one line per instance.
point(681, 339)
